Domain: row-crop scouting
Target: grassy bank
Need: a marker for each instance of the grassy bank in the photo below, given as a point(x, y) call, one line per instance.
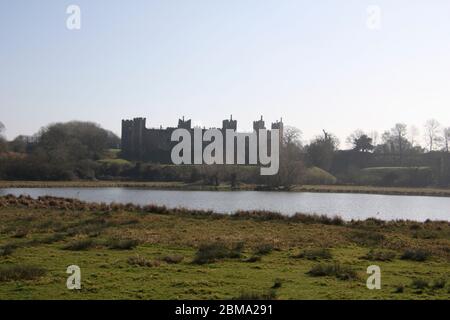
point(171, 185)
point(436, 192)
point(151, 252)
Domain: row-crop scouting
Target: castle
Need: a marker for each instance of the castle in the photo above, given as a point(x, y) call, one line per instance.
point(140, 143)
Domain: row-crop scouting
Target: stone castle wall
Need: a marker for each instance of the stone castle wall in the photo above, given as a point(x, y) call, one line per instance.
point(140, 143)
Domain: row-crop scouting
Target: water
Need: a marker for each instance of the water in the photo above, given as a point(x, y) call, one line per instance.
point(348, 206)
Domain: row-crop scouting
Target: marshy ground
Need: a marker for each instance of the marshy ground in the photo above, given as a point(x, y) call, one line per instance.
point(131, 252)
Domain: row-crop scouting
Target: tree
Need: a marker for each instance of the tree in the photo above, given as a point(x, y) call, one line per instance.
point(291, 143)
point(360, 141)
point(76, 139)
point(321, 150)
point(292, 136)
point(432, 133)
point(70, 149)
point(399, 132)
point(21, 144)
point(291, 170)
point(394, 141)
point(353, 136)
point(363, 144)
point(446, 139)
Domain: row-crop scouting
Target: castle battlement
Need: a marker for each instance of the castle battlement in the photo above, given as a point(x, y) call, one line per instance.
point(140, 143)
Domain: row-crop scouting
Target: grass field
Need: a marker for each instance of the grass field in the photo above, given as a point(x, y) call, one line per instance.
point(129, 252)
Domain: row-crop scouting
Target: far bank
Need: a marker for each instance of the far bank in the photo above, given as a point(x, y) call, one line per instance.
point(176, 185)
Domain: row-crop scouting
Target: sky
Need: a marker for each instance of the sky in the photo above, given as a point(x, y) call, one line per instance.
point(318, 64)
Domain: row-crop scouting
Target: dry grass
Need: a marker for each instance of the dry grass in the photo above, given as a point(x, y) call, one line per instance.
point(59, 218)
point(140, 261)
point(342, 272)
point(20, 272)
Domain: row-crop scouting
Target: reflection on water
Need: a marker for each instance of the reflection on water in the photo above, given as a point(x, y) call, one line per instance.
point(348, 206)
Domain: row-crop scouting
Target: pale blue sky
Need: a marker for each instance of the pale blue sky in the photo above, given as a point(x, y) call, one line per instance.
point(314, 63)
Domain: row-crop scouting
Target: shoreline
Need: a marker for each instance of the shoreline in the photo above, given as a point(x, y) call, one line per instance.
point(401, 191)
point(73, 204)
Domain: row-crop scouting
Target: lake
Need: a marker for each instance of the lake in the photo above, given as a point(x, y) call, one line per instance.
point(348, 206)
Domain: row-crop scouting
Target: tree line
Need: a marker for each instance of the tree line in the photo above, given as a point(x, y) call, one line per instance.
point(61, 151)
point(76, 150)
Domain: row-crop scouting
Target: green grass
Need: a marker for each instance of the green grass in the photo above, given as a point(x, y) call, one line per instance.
point(161, 266)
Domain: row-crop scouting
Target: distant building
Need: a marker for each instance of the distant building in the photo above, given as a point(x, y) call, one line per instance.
point(140, 143)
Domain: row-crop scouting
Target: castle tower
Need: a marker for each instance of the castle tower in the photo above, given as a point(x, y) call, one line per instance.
point(229, 124)
point(258, 125)
point(127, 126)
point(133, 138)
point(184, 124)
point(138, 137)
point(280, 126)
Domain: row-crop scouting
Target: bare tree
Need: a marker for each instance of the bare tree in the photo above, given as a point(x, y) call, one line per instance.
point(432, 133)
point(446, 138)
point(292, 135)
point(355, 135)
point(399, 132)
point(360, 141)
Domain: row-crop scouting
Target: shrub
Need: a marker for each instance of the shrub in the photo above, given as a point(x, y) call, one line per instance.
point(20, 233)
point(333, 269)
point(252, 259)
point(314, 254)
point(425, 234)
point(7, 249)
point(439, 283)
point(419, 284)
point(277, 284)
point(367, 238)
point(259, 215)
point(53, 238)
point(379, 255)
point(399, 289)
point(263, 249)
point(415, 255)
point(208, 253)
point(173, 259)
point(20, 272)
point(315, 175)
point(122, 244)
point(79, 245)
point(138, 260)
point(317, 219)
